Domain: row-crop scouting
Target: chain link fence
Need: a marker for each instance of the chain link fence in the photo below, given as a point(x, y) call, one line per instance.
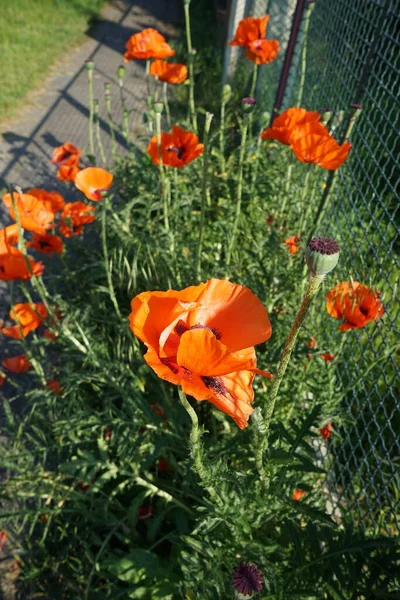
point(349, 53)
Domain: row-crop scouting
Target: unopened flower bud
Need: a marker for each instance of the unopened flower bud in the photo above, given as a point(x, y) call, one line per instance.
point(248, 105)
point(89, 64)
point(326, 115)
point(158, 107)
point(107, 89)
point(226, 93)
point(322, 255)
point(121, 72)
point(194, 51)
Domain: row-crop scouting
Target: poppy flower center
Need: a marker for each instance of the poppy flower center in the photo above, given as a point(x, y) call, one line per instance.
point(257, 45)
point(178, 150)
point(43, 245)
point(181, 327)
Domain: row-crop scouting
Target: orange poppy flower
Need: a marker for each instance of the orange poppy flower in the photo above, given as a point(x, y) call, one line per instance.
point(194, 340)
point(52, 200)
point(8, 238)
point(177, 149)
point(168, 72)
point(326, 431)
point(29, 317)
point(46, 243)
point(312, 145)
point(298, 494)
point(93, 182)
point(249, 30)
point(328, 357)
point(13, 266)
point(34, 215)
point(68, 172)
point(146, 44)
point(66, 154)
point(285, 124)
point(74, 216)
point(291, 243)
point(17, 364)
point(354, 303)
point(312, 343)
point(263, 52)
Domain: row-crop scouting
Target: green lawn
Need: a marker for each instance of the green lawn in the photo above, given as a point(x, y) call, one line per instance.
point(33, 35)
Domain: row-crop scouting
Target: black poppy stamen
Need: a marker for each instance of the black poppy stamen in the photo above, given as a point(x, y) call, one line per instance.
point(215, 384)
point(247, 579)
point(177, 150)
point(43, 245)
point(217, 333)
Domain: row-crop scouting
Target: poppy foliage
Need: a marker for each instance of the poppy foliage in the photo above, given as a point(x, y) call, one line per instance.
point(177, 148)
point(147, 44)
point(194, 340)
point(355, 304)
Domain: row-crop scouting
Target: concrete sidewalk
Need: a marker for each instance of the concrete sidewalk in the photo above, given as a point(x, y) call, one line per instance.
point(60, 111)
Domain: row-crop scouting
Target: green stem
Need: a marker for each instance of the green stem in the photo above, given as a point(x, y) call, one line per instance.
point(222, 137)
point(254, 81)
point(106, 259)
point(162, 174)
point(91, 114)
point(313, 286)
point(239, 194)
point(309, 9)
point(98, 136)
point(255, 166)
point(110, 121)
point(207, 126)
point(192, 109)
point(125, 112)
point(165, 97)
point(287, 184)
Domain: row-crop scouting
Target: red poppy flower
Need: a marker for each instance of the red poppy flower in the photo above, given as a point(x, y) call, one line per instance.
point(68, 172)
point(2, 380)
point(74, 216)
point(46, 243)
point(312, 343)
point(312, 145)
point(93, 182)
point(162, 465)
point(66, 154)
point(326, 431)
point(55, 387)
point(285, 124)
point(3, 537)
point(249, 30)
point(328, 357)
point(263, 52)
point(53, 201)
point(33, 214)
point(298, 494)
point(13, 266)
point(144, 512)
point(29, 317)
point(172, 73)
point(146, 44)
point(354, 303)
point(49, 335)
point(17, 364)
point(194, 340)
point(177, 149)
point(292, 244)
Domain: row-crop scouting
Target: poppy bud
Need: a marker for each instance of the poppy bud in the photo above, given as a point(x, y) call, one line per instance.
point(107, 89)
point(322, 255)
point(326, 115)
point(89, 64)
point(226, 93)
point(248, 105)
point(121, 72)
point(158, 107)
point(194, 52)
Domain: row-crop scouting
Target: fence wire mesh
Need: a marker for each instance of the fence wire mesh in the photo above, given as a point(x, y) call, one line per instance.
point(351, 54)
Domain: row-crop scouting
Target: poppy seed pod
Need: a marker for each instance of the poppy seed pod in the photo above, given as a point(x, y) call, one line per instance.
point(322, 255)
point(158, 107)
point(89, 64)
point(121, 72)
point(226, 93)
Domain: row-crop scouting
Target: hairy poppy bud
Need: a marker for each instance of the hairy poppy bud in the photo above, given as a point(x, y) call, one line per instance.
point(121, 72)
point(226, 93)
point(158, 107)
point(89, 64)
point(248, 105)
point(322, 255)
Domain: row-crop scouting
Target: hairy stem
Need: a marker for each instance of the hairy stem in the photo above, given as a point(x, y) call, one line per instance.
point(192, 109)
point(207, 126)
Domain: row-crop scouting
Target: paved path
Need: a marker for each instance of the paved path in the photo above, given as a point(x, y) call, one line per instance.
point(60, 112)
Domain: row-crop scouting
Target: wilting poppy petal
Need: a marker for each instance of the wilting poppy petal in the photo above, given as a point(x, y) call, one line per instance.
point(263, 52)
point(249, 30)
point(17, 364)
point(74, 216)
point(66, 154)
point(177, 149)
point(53, 201)
point(146, 44)
point(354, 303)
point(93, 182)
point(284, 125)
point(33, 214)
point(172, 73)
point(48, 244)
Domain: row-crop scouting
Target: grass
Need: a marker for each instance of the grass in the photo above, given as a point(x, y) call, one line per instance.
point(34, 34)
